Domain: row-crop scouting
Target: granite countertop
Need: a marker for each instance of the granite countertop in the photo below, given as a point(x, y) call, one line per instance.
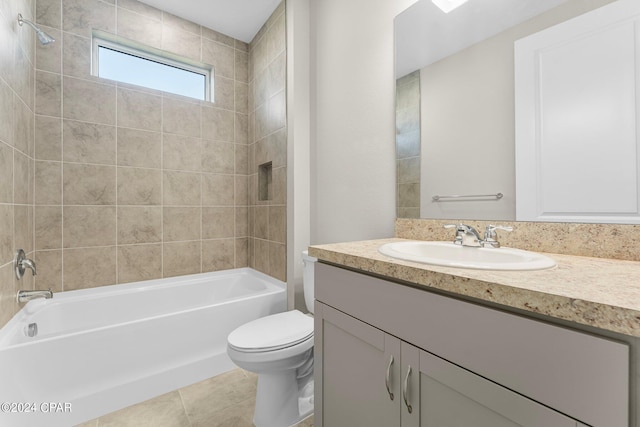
point(599, 292)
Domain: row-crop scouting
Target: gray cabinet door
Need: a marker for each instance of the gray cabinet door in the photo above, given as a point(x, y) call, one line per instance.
point(454, 397)
point(354, 364)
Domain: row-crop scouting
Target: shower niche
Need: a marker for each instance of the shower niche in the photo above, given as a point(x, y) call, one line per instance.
point(265, 181)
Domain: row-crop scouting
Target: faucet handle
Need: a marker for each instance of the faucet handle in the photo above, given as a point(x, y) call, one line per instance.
point(459, 230)
point(458, 227)
point(490, 234)
point(491, 230)
point(21, 262)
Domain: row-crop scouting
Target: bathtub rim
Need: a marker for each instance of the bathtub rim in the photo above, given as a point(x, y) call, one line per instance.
point(34, 306)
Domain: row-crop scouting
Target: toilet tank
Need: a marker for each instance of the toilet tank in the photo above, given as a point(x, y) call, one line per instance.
point(307, 279)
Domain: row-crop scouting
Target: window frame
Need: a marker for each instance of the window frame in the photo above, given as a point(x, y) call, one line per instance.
point(154, 55)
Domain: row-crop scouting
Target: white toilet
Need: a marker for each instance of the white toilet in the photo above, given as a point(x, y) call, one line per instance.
point(279, 348)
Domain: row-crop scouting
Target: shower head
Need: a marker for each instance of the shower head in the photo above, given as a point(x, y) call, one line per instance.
point(42, 36)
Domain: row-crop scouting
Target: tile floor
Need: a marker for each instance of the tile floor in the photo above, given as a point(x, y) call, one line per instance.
point(226, 400)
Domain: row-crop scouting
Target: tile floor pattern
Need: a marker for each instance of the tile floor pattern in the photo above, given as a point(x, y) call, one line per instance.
point(226, 400)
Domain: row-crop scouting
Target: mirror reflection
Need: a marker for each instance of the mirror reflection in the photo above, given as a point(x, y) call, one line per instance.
point(455, 108)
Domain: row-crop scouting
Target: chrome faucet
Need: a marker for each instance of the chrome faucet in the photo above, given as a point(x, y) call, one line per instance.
point(469, 236)
point(465, 235)
point(24, 296)
point(22, 262)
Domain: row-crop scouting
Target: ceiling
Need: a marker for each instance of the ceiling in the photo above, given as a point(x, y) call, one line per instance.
point(240, 19)
point(424, 34)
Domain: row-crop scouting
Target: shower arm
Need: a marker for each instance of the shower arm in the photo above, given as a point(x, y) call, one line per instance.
point(21, 21)
point(42, 36)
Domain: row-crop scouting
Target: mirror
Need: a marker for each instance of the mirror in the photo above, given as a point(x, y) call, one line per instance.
point(455, 131)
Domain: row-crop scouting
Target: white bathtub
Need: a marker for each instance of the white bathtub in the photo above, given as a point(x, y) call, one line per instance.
point(102, 349)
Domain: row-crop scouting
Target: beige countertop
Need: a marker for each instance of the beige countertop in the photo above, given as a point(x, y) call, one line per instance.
point(598, 292)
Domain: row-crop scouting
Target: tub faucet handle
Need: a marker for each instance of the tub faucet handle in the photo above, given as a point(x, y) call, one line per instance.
point(27, 263)
point(22, 263)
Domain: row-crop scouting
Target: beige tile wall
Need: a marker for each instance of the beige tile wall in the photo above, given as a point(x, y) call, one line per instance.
point(268, 144)
point(408, 145)
point(17, 58)
point(130, 183)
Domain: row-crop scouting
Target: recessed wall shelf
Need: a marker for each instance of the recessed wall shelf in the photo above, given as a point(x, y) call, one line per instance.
point(265, 180)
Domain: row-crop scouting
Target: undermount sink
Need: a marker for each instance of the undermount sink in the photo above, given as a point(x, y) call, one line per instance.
point(448, 254)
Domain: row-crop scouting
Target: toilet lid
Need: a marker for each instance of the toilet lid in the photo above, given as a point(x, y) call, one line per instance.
point(272, 332)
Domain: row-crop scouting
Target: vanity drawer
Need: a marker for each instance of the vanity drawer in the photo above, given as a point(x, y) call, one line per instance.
point(581, 375)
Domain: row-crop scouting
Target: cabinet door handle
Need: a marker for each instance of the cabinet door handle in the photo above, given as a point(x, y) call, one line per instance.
point(386, 378)
point(405, 390)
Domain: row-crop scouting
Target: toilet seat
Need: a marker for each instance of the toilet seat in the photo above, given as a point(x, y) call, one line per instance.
point(272, 333)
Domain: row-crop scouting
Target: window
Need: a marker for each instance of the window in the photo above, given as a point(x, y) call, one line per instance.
point(127, 64)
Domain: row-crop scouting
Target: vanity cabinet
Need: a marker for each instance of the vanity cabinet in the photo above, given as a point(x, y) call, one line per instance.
point(371, 378)
point(390, 355)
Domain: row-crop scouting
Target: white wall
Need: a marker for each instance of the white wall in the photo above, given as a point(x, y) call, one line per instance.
point(352, 119)
point(467, 132)
point(298, 147)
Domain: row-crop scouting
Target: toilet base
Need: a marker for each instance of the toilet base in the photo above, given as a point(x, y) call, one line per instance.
point(282, 399)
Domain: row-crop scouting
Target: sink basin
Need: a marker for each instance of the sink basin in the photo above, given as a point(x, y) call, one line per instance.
point(448, 254)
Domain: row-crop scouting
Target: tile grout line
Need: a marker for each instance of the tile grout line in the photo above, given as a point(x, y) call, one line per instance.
point(184, 407)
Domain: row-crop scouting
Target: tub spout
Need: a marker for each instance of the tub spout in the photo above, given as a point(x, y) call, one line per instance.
point(24, 296)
